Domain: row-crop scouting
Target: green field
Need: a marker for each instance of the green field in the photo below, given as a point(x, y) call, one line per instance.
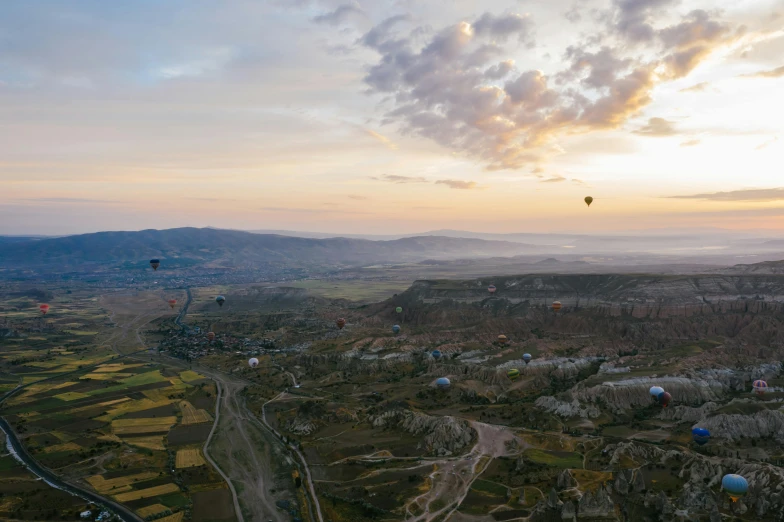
point(361, 291)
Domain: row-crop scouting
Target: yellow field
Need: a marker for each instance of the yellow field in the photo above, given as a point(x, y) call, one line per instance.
point(133, 426)
point(151, 510)
point(103, 485)
point(177, 517)
point(146, 493)
point(105, 376)
point(115, 367)
point(153, 442)
point(133, 406)
point(191, 415)
point(190, 376)
point(71, 396)
point(188, 458)
point(67, 446)
point(64, 437)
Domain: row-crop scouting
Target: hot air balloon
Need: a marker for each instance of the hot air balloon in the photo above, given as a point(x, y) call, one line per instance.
point(341, 323)
point(436, 354)
point(399, 310)
point(655, 391)
point(43, 308)
point(735, 485)
point(527, 357)
point(588, 200)
point(210, 336)
point(172, 302)
point(556, 305)
point(491, 289)
point(502, 339)
point(700, 435)
point(396, 329)
point(442, 382)
point(220, 300)
point(155, 263)
point(760, 387)
point(253, 362)
point(664, 399)
point(513, 374)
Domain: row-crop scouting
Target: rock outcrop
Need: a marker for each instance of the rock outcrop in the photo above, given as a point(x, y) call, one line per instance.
point(567, 409)
point(765, 423)
point(441, 435)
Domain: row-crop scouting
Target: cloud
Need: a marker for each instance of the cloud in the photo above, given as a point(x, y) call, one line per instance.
point(770, 194)
point(310, 210)
point(444, 85)
point(778, 72)
point(71, 200)
point(357, 197)
point(657, 127)
point(700, 87)
point(578, 181)
point(339, 15)
point(554, 179)
point(691, 143)
point(392, 178)
point(383, 139)
point(458, 184)
point(766, 144)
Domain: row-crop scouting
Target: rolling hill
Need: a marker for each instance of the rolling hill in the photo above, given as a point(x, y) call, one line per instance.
point(205, 246)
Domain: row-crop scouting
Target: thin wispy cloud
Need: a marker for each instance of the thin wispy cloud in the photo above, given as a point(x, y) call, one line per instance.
point(691, 143)
point(341, 14)
point(382, 139)
point(458, 184)
point(700, 87)
point(357, 197)
point(768, 194)
point(554, 179)
point(394, 178)
point(767, 144)
point(71, 200)
point(778, 72)
point(310, 210)
point(657, 127)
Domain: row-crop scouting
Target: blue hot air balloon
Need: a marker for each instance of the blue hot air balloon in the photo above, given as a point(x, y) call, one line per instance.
point(436, 354)
point(527, 357)
point(396, 329)
point(700, 435)
point(735, 485)
point(442, 382)
point(220, 300)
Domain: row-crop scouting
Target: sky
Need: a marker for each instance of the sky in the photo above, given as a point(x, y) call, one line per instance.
point(391, 116)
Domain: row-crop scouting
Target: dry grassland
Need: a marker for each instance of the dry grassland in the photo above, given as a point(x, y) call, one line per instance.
point(68, 446)
point(191, 415)
point(71, 396)
point(103, 485)
point(147, 493)
point(188, 458)
point(154, 442)
point(177, 517)
point(133, 426)
point(151, 510)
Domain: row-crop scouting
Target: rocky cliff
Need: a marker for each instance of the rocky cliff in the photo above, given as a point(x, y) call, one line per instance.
point(441, 435)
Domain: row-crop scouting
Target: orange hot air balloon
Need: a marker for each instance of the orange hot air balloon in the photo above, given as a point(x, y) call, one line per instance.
point(172, 302)
point(210, 336)
point(44, 308)
point(502, 339)
point(341, 323)
point(556, 305)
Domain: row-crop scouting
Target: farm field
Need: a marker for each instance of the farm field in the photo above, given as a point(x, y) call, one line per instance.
point(102, 420)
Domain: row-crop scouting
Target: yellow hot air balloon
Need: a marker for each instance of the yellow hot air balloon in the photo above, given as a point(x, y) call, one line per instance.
point(588, 200)
point(556, 305)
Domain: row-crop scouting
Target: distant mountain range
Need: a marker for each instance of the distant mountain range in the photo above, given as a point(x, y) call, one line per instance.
point(215, 247)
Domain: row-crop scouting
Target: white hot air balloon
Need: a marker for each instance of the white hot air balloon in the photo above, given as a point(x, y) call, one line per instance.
point(253, 362)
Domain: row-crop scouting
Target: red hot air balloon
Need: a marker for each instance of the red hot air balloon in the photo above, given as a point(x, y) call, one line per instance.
point(664, 399)
point(44, 308)
point(210, 336)
point(557, 305)
point(491, 289)
point(341, 323)
point(760, 387)
point(172, 302)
